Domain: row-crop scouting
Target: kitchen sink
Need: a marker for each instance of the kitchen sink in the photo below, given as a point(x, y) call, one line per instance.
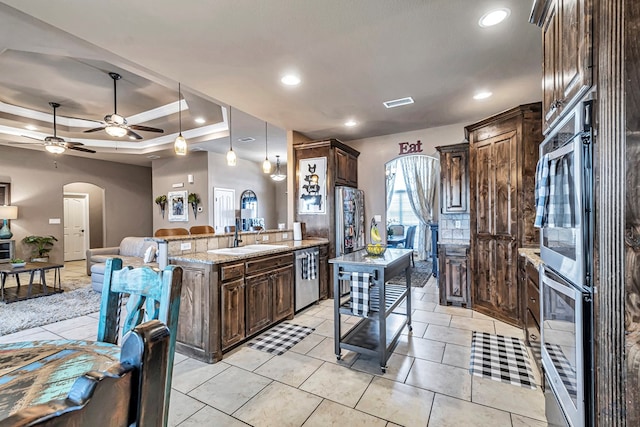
point(245, 250)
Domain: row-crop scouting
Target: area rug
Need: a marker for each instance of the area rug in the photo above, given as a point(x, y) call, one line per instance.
point(501, 358)
point(40, 311)
point(420, 275)
point(280, 338)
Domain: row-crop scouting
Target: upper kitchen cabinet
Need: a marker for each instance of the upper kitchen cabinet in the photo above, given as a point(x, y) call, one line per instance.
point(567, 52)
point(503, 152)
point(346, 167)
point(454, 178)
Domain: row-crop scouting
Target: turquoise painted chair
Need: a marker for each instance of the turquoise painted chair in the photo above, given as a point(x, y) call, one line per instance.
point(151, 295)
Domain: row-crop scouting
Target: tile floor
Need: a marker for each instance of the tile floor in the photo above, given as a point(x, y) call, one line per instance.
point(427, 382)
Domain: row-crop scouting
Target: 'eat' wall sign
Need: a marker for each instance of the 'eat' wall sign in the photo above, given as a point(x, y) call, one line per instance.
point(408, 148)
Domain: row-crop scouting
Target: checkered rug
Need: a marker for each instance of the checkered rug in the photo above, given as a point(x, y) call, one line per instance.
point(501, 358)
point(280, 338)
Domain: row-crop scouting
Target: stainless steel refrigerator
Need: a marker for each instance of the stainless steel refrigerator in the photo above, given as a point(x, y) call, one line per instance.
point(350, 224)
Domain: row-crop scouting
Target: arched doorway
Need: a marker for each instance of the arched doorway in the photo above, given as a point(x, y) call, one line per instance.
point(83, 219)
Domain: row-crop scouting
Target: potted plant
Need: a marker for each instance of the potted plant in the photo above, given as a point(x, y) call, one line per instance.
point(42, 247)
point(193, 200)
point(162, 202)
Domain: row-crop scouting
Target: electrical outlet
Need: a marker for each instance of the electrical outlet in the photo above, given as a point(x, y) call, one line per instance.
point(377, 218)
point(285, 235)
point(458, 225)
point(265, 238)
point(185, 246)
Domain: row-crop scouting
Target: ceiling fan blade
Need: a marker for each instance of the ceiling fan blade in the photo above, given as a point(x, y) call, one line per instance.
point(30, 137)
point(24, 143)
point(85, 150)
point(133, 134)
point(95, 129)
point(146, 128)
point(83, 119)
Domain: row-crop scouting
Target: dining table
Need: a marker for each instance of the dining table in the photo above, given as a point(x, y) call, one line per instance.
point(36, 372)
point(393, 241)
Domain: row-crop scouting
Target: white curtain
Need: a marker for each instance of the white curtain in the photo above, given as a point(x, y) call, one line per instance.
point(390, 173)
point(420, 178)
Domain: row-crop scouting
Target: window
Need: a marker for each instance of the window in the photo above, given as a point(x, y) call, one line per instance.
point(400, 211)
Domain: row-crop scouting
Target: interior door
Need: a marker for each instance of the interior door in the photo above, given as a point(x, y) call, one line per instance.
point(76, 214)
point(224, 210)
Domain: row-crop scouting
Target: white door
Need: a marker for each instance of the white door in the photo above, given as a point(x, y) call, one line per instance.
point(76, 213)
point(224, 208)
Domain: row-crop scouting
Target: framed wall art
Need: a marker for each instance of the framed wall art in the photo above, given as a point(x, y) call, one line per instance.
point(313, 186)
point(178, 211)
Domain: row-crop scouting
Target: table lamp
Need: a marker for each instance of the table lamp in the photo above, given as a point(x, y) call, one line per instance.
point(6, 213)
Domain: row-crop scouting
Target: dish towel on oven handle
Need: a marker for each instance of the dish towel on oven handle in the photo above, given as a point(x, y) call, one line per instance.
point(360, 284)
point(313, 266)
point(304, 266)
point(542, 191)
point(560, 212)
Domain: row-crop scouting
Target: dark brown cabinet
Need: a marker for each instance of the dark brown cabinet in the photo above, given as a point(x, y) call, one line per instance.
point(233, 306)
point(453, 281)
point(282, 293)
point(503, 157)
point(323, 272)
point(530, 284)
point(567, 69)
point(454, 178)
point(259, 304)
point(346, 168)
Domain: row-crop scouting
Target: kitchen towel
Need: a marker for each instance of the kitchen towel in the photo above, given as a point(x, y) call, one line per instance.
point(560, 212)
point(541, 191)
point(313, 265)
point(360, 283)
point(297, 231)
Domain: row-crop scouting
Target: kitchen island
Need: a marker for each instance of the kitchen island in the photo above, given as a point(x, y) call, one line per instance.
point(230, 295)
point(378, 332)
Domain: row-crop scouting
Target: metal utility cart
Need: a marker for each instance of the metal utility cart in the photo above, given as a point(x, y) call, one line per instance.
point(378, 333)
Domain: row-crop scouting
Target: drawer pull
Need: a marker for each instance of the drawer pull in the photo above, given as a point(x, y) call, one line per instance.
point(533, 337)
point(532, 299)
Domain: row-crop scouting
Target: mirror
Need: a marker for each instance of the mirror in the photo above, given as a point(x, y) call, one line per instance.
point(249, 211)
point(411, 186)
point(4, 193)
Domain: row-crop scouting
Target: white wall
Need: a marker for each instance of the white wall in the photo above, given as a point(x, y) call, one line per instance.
point(375, 152)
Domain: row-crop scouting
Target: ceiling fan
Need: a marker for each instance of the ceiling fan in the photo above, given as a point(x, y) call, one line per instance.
point(55, 144)
point(115, 124)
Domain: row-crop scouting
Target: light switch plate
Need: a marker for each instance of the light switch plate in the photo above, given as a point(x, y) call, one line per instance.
point(54, 220)
point(285, 235)
point(377, 218)
point(458, 224)
point(185, 246)
point(265, 238)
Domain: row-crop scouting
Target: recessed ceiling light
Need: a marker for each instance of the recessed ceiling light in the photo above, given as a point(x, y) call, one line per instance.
point(31, 127)
point(398, 102)
point(494, 17)
point(482, 95)
point(199, 120)
point(350, 123)
point(290, 80)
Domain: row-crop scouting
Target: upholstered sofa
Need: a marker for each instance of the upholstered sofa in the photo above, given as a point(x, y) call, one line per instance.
point(132, 251)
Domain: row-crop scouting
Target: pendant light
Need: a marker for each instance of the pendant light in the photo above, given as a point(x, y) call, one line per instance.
point(278, 175)
point(266, 165)
point(231, 155)
point(180, 145)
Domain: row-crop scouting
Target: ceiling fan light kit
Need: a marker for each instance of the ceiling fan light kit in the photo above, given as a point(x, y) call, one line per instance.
point(180, 144)
point(54, 148)
point(116, 131)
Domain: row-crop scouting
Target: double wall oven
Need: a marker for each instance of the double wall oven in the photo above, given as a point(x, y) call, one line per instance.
point(566, 242)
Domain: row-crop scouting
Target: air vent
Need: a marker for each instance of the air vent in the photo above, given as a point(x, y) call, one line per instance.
point(153, 157)
point(246, 139)
point(398, 102)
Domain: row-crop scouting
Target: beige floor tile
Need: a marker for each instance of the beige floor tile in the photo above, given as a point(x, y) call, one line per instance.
point(80, 333)
point(332, 414)
point(450, 412)
point(209, 416)
point(230, 389)
point(418, 329)
point(65, 325)
point(247, 358)
point(521, 401)
point(431, 317)
point(307, 320)
point(311, 311)
point(290, 368)
point(325, 350)
point(420, 347)
point(337, 383)
point(278, 405)
point(454, 311)
point(182, 407)
point(430, 298)
point(326, 313)
point(396, 402)
point(307, 343)
point(35, 334)
point(478, 315)
point(179, 357)
point(444, 379)
point(508, 330)
point(457, 355)
point(448, 335)
point(191, 373)
point(520, 421)
point(478, 325)
point(398, 366)
point(422, 305)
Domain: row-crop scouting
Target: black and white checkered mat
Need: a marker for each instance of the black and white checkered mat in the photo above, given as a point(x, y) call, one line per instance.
point(501, 358)
point(280, 338)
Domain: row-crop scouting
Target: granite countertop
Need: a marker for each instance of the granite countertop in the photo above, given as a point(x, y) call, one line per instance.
point(390, 256)
point(286, 246)
point(453, 242)
point(206, 236)
point(532, 255)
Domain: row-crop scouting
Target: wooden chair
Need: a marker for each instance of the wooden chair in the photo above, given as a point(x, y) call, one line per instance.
point(229, 228)
point(201, 229)
point(163, 232)
point(151, 295)
point(128, 393)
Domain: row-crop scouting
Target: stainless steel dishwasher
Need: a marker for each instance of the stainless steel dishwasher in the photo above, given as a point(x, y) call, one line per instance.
point(307, 286)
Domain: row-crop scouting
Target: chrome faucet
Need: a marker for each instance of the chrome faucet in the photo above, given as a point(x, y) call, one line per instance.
point(236, 240)
point(258, 235)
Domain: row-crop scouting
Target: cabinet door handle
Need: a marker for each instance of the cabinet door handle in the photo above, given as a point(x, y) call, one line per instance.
point(532, 299)
point(533, 337)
